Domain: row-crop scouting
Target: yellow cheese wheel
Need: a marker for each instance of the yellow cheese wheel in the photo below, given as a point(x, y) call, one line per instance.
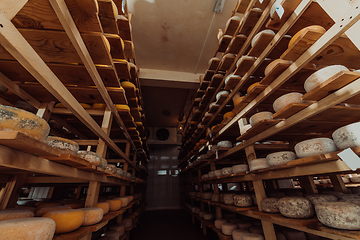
point(44, 210)
point(14, 119)
point(272, 65)
point(15, 214)
point(106, 43)
point(229, 115)
point(104, 205)
point(139, 124)
point(99, 106)
point(114, 204)
point(63, 144)
point(122, 107)
point(299, 34)
point(130, 198)
point(238, 101)
point(127, 85)
point(124, 201)
point(84, 105)
point(252, 87)
point(27, 229)
point(66, 220)
point(92, 215)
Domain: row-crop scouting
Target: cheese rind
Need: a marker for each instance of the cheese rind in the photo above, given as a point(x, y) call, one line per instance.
point(114, 204)
point(227, 228)
point(287, 99)
point(269, 205)
point(240, 168)
point(63, 144)
point(44, 210)
point(91, 157)
point(92, 215)
point(295, 207)
point(238, 234)
point(259, 163)
point(242, 200)
point(15, 214)
point(280, 158)
point(104, 205)
point(258, 117)
point(319, 198)
point(66, 220)
point(315, 146)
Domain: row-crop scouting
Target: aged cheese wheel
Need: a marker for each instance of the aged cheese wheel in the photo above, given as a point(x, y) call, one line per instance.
point(119, 171)
point(295, 207)
point(281, 236)
point(252, 236)
point(226, 171)
point(238, 234)
point(258, 35)
point(105, 206)
point(244, 225)
point(280, 158)
point(215, 197)
point(274, 63)
point(124, 201)
point(245, 128)
point(219, 222)
point(218, 173)
point(345, 179)
point(221, 93)
point(294, 235)
point(44, 210)
point(198, 194)
point(231, 76)
point(205, 176)
point(287, 99)
point(229, 198)
point(322, 75)
point(252, 86)
point(211, 174)
point(92, 215)
point(242, 200)
point(355, 179)
point(91, 157)
point(208, 216)
point(118, 228)
point(66, 220)
point(350, 196)
point(339, 195)
point(240, 168)
point(269, 205)
point(228, 115)
point(299, 34)
point(15, 214)
point(103, 163)
point(207, 195)
point(319, 198)
point(315, 146)
point(114, 204)
point(257, 117)
point(122, 107)
point(347, 136)
point(259, 163)
point(238, 101)
point(65, 145)
point(227, 228)
point(130, 198)
point(256, 229)
point(14, 119)
point(111, 168)
point(224, 144)
point(127, 222)
point(27, 228)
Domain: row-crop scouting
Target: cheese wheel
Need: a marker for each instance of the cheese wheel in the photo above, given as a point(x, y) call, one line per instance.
point(219, 222)
point(238, 234)
point(258, 35)
point(242, 200)
point(14, 119)
point(218, 173)
point(112, 235)
point(27, 228)
point(127, 85)
point(295, 207)
point(208, 216)
point(286, 100)
point(207, 195)
point(252, 86)
point(205, 176)
point(111, 168)
point(215, 197)
point(243, 58)
point(299, 34)
point(281, 236)
point(322, 75)
point(350, 196)
point(227, 228)
point(274, 63)
point(229, 198)
point(319, 198)
point(92, 215)
point(98, 106)
point(103, 163)
point(119, 171)
point(122, 107)
point(355, 179)
point(269, 205)
point(127, 222)
point(244, 225)
point(231, 76)
point(256, 229)
point(226, 171)
point(114, 204)
point(119, 228)
point(228, 115)
point(42, 211)
point(224, 144)
point(347, 136)
point(63, 144)
point(238, 101)
point(15, 214)
point(252, 236)
point(91, 157)
point(201, 214)
point(66, 220)
point(240, 168)
point(124, 201)
point(130, 198)
point(314, 147)
point(211, 174)
point(280, 158)
point(221, 93)
point(257, 117)
point(245, 128)
point(259, 163)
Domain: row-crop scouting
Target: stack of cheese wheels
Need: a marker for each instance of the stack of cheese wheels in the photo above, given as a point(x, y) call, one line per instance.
point(240, 168)
point(227, 228)
point(274, 63)
point(259, 163)
point(114, 204)
point(92, 215)
point(315, 146)
point(238, 234)
point(105, 206)
point(91, 157)
point(295, 207)
point(27, 228)
point(44, 210)
point(127, 222)
point(14, 119)
point(302, 32)
point(269, 205)
point(119, 228)
point(243, 58)
point(347, 136)
point(65, 145)
point(286, 100)
point(128, 86)
point(257, 117)
point(219, 222)
point(242, 200)
point(319, 198)
point(98, 106)
point(280, 158)
point(15, 214)
point(66, 220)
point(258, 35)
point(252, 236)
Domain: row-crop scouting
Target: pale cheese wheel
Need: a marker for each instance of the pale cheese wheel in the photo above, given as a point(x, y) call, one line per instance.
point(252, 236)
point(299, 34)
point(111, 168)
point(257, 117)
point(227, 79)
point(244, 225)
point(294, 235)
point(295, 207)
point(119, 171)
point(226, 171)
point(42, 211)
point(274, 63)
point(228, 115)
point(347, 136)
point(66, 220)
point(242, 200)
point(350, 196)
point(238, 234)
point(322, 75)
point(215, 197)
point(229, 198)
point(280, 158)
point(114, 204)
point(286, 100)
point(205, 176)
point(124, 201)
point(211, 174)
point(104, 205)
point(14, 119)
point(236, 18)
point(259, 163)
point(240, 168)
point(63, 144)
point(119, 228)
point(355, 179)
point(207, 195)
point(92, 215)
point(218, 173)
point(227, 228)
point(269, 205)
point(319, 198)
point(127, 222)
point(15, 214)
point(91, 157)
point(219, 222)
point(112, 235)
point(208, 216)
point(221, 93)
point(314, 147)
point(130, 198)
point(27, 228)
point(103, 163)
point(245, 128)
point(258, 35)
point(224, 144)
point(98, 106)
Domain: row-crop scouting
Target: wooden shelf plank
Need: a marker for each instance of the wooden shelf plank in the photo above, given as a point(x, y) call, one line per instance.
point(71, 160)
point(258, 128)
point(236, 44)
point(227, 61)
point(289, 110)
point(233, 81)
point(251, 19)
point(280, 218)
point(345, 233)
point(260, 44)
point(223, 43)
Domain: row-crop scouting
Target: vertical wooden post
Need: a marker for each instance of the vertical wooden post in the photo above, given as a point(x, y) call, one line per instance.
point(307, 182)
point(92, 194)
point(45, 110)
point(11, 192)
point(125, 168)
point(201, 189)
point(338, 183)
point(78, 192)
point(216, 191)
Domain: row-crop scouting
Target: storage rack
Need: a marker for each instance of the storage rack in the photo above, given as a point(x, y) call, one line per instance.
point(72, 52)
point(295, 123)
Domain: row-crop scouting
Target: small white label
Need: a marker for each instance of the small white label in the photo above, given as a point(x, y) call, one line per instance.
point(261, 1)
point(279, 9)
point(240, 123)
point(217, 154)
point(350, 158)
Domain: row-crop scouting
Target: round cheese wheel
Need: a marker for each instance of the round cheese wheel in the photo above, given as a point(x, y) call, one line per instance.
point(345, 179)
point(119, 171)
point(245, 128)
point(221, 93)
point(98, 106)
point(215, 197)
point(240, 168)
point(280, 158)
point(65, 145)
point(286, 100)
point(294, 235)
point(211, 174)
point(92, 215)
point(112, 235)
point(252, 86)
point(122, 107)
point(130, 198)
point(295, 207)
point(105, 206)
point(315, 146)
point(118, 228)
point(111, 168)
point(238, 101)
point(231, 76)
point(103, 163)
point(91, 157)
point(219, 222)
point(238, 234)
point(258, 35)
point(42, 211)
point(114, 204)
point(269, 205)
point(347, 136)
point(259, 163)
point(127, 85)
point(14, 119)
point(228, 115)
point(322, 75)
point(218, 173)
point(224, 144)
point(201, 214)
point(300, 34)
point(274, 63)
point(207, 195)
point(252, 236)
point(229, 198)
point(242, 59)
point(319, 198)
point(124, 201)
point(227, 228)
point(15, 214)
point(257, 117)
point(226, 171)
point(281, 236)
point(213, 59)
point(242, 200)
point(208, 216)
point(205, 176)
point(244, 225)
point(27, 228)
point(66, 220)
point(355, 179)
point(236, 18)
point(350, 196)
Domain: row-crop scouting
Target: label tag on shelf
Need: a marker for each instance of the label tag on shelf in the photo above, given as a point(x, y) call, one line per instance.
point(240, 123)
point(279, 9)
point(217, 154)
point(350, 158)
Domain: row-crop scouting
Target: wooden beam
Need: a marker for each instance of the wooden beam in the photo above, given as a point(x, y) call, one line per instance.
point(307, 182)
point(11, 7)
point(92, 194)
point(52, 180)
point(116, 160)
point(338, 183)
point(66, 125)
point(12, 190)
point(106, 127)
